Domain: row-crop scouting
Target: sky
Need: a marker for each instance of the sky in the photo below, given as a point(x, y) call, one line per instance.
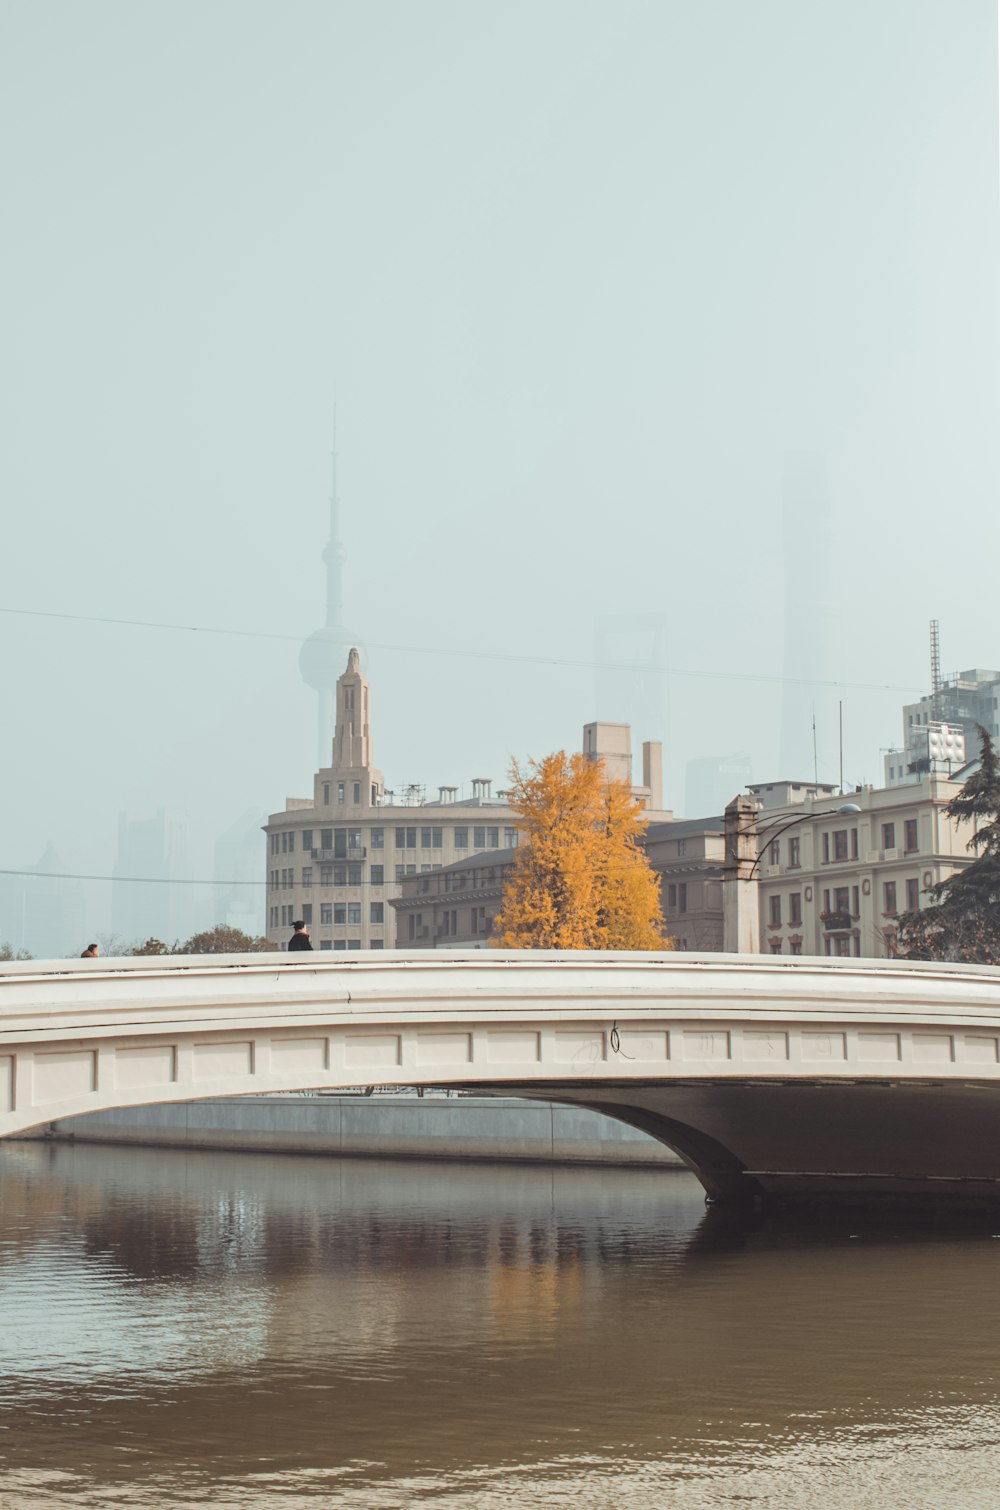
point(582, 281)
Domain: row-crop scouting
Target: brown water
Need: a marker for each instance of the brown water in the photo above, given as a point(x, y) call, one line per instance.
point(271, 1333)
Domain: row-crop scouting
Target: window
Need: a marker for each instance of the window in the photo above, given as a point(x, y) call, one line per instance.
point(274, 917)
point(461, 838)
point(682, 897)
point(854, 844)
point(826, 900)
point(288, 842)
point(775, 945)
point(274, 880)
point(307, 838)
point(910, 835)
point(307, 875)
point(326, 839)
point(326, 875)
point(775, 911)
point(888, 836)
point(354, 913)
point(354, 873)
point(377, 944)
point(479, 838)
point(378, 875)
point(357, 794)
point(406, 838)
point(510, 838)
point(795, 907)
point(378, 838)
point(400, 872)
point(326, 794)
point(672, 895)
point(325, 944)
point(842, 900)
point(340, 912)
point(682, 846)
point(326, 912)
point(340, 943)
point(840, 844)
point(912, 895)
point(774, 853)
point(376, 912)
point(826, 849)
point(354, 943)
point(340, 794)
point(855, 903)
point(794, 854)
point(889, 897)
point(307, 912)
point(795, 946)
point(842, 946)
point(274, 844)
point(431, 838)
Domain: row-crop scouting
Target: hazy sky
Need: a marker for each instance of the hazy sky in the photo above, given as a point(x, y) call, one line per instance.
point(580, 275)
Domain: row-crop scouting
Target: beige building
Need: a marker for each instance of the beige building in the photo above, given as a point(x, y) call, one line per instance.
point(455, 907)
point(688, 858)
point(835, 882)
point(336, 860)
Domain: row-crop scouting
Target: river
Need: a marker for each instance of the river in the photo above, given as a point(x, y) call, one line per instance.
point(268, 1333)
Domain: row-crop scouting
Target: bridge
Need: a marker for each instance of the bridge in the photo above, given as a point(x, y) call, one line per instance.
point(773, 1078)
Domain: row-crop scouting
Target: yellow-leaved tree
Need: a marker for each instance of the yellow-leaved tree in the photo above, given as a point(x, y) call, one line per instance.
point(580, 879)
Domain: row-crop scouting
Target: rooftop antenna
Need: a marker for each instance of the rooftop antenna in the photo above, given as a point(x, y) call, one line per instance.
point(815, 755)
point(935, 665)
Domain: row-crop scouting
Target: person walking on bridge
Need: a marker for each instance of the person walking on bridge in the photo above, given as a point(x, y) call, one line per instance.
point(300, 938)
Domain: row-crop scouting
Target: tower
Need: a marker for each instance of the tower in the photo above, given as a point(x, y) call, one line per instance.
point(321, 654)
point(358, 783)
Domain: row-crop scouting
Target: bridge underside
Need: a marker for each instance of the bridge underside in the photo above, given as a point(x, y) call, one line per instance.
point(791, 1142)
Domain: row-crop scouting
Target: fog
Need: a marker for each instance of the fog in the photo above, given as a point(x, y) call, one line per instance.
point(588, 285)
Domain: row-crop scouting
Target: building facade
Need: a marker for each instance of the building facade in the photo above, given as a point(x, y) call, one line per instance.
point(336, 859)
point(835, 882)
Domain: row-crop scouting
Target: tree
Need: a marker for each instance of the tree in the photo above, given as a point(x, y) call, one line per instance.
point(155, 946)
point(962, 922)
point(223, 940)
point(579, 879)
point(6, 953)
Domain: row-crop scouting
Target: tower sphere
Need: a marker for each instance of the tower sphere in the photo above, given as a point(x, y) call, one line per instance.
point(321, 659)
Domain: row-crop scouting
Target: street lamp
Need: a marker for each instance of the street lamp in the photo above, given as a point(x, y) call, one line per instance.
point(770, 834)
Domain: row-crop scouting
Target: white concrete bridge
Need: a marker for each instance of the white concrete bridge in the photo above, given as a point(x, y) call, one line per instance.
point(781, 1078)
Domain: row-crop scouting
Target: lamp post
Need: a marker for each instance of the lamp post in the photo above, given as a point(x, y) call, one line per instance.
point(745, 845)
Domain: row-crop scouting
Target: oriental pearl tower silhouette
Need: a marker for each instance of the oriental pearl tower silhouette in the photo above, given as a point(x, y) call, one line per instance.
point(322, 655)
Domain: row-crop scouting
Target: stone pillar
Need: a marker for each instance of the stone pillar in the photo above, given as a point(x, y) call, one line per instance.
point(740, 889)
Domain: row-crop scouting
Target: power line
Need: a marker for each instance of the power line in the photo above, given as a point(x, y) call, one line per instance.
point(337, 637)
point(68, 875)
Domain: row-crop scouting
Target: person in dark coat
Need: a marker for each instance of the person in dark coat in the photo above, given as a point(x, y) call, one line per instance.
point(91, 952)
point(300, 938)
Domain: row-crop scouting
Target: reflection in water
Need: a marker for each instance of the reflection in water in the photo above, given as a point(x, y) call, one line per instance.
point(181, 1329)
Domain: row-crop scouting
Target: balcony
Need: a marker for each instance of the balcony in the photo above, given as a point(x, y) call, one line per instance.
point(330, 856)
point(836, 922)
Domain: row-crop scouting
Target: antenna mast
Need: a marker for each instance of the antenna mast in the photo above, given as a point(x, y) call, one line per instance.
point(935, 665)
